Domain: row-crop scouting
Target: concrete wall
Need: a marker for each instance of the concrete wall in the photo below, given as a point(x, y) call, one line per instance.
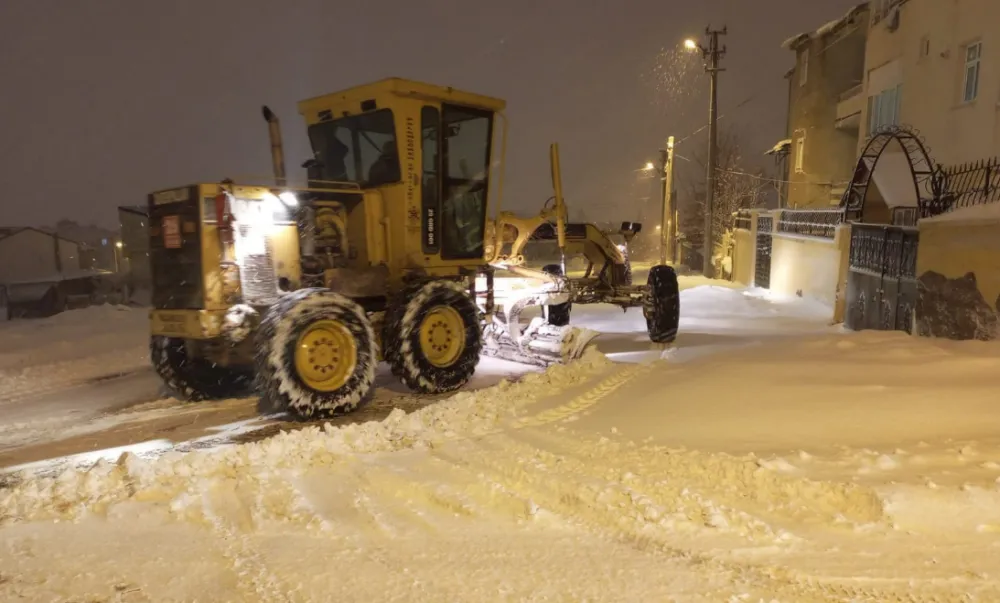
point(958, 270)
point(743, 256)
point(808, 267)
point(30, 255)
point(824, 112)
point(930, 45)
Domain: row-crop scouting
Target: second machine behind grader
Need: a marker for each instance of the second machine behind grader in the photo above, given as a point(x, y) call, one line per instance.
point(386, 254)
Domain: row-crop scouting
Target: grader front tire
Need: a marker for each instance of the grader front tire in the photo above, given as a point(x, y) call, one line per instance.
point(438, 338)
point(315, 355)
point(662, 304)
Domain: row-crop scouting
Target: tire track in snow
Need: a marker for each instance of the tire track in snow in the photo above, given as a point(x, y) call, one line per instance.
point(253, 576)
point(745, 506)
point(527, 480)
point(587, 400)
point(460, 495)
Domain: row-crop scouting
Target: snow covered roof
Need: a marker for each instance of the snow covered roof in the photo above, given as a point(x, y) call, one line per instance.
point(9, 231)
point(826, 29)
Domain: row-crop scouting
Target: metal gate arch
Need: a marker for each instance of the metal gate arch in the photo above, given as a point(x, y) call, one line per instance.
point(922, 169)
point(882, 266)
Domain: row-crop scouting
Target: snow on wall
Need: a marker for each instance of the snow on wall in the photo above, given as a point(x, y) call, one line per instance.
point(989, 212)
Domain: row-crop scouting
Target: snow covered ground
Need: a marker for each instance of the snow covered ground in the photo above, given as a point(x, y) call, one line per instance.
point(766, 457)
point(60, 372)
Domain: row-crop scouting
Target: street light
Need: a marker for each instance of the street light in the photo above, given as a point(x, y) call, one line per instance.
point(649, 166)
point(690, 44)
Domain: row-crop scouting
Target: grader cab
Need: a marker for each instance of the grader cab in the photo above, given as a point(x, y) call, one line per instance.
point(298, 292)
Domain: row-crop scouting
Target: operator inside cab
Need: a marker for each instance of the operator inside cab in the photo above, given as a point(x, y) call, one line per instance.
point(385, 170)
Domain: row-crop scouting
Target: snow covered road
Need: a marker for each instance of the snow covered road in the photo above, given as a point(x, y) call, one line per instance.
point(768, 457)
point(80, 382)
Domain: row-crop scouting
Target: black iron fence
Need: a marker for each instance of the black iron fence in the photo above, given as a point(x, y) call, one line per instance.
point(810, 222)
point(963, 185)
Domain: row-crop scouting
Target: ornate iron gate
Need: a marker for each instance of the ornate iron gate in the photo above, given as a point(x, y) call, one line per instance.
point(762, 262)
point(882, 279)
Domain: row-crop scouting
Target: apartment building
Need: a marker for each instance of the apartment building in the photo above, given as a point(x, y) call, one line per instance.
point(826, 104)
point(932, 65)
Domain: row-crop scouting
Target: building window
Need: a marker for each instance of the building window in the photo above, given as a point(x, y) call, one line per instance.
point(804, 67)
point(800, 154)
point(883, 109)
point(973, 53)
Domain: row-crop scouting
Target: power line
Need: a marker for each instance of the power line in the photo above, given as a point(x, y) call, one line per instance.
point(761, 88)
point(778, 180)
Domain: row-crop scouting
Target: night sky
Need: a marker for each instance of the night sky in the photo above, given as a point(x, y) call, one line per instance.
point(104, 101)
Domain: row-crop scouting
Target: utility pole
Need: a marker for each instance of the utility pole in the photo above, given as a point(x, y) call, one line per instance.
point(667, 225)
point(664, 205)
point(713, 54)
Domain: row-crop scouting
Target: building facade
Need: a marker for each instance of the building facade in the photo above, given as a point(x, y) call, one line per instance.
point(933, 65)
point(825, 110)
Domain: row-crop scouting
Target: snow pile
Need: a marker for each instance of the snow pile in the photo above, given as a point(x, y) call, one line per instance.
point(71, 347)
point(466, 414)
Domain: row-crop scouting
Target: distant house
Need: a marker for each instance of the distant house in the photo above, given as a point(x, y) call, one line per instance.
point(29, 255)
point(134, 224)
point(98, 246)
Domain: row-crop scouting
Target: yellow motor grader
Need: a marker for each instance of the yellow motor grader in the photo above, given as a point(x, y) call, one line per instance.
point(298, 292)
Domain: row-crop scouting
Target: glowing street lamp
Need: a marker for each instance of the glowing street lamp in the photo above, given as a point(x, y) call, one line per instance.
point(690, 44)
point(649, 167)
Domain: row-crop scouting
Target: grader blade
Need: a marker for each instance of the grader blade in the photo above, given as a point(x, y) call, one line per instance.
point(542, 346)
point(539, 344)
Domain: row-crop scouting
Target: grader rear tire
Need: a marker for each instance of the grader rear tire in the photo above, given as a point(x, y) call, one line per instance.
point(438, 338)
point(194, 379)
point(315, 355)
point(662, 304)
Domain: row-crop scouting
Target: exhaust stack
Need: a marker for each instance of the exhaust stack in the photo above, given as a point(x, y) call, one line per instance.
point(277, 149)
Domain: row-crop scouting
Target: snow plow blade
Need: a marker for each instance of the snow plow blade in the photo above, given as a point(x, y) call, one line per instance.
point(540, 345)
